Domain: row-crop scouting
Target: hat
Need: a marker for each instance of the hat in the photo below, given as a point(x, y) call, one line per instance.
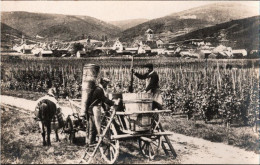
point(148, 66)
point(105, 80)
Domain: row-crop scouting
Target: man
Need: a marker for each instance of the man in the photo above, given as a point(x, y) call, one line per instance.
point(152, 85)
point(97, 104)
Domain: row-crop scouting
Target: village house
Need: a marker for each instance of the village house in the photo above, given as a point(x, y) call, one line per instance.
point(239, 53)
point(149, 34)
point(167, 51)
point(118, 46)
point(223, 51)
point(81, 53)
point(25, 49)
point(131, 50)
point(159, 43)
point(204, 53)
point(196, 42)
point(185, 53)
point(45, 53)
point(112, 45)
point(135, 44)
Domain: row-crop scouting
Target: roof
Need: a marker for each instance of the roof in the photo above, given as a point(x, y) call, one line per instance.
point(150, 31)
point(46, 52)
point(109, 44)
point(206, 51)
point(239, 51)
point(151, 44)
point(131, 48)
point(185, 53)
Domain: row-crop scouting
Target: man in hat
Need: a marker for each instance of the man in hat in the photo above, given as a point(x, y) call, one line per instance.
point(152, 84)
point(97, 104)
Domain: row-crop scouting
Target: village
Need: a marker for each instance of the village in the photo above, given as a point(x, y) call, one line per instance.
point(148, 45)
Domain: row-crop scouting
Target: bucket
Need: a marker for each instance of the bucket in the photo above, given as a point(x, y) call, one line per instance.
point(90, 74)
point(136, 102)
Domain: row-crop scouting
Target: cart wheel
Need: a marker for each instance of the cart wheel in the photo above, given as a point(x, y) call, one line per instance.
point(150, 146)
point(109, 148)
point(70, 130)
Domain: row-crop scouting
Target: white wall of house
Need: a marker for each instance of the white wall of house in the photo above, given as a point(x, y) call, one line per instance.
point(159, 51)
point(159, 43)
point(140, 50)
point(149, 37)
point(118, 46)
point(168, 52)
point(240, 51)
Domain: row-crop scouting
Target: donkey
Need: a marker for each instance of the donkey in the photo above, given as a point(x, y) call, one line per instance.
point(47, 114)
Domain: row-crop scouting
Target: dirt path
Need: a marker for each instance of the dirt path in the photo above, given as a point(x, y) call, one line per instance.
point(190, 150)
point(199, 151)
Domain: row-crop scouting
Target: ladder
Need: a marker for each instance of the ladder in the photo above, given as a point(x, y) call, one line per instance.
point(166, 144)
point(91, 150)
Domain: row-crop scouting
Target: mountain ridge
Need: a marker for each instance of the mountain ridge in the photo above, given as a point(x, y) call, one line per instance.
point(189, 20)
point(42, 24)
point(240, 34)
point(126, 24)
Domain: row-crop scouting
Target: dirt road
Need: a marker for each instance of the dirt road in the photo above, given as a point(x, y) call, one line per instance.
point(190, 150)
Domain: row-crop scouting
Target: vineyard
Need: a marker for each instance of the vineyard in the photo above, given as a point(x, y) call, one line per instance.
point(210, 89)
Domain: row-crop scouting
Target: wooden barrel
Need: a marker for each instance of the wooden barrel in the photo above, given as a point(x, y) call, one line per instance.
point(135, 102)
point(90, 73)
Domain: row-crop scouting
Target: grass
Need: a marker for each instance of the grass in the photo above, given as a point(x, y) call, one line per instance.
point(23, 94)
point(21, 143)
point(21, 140)
point(242, 137)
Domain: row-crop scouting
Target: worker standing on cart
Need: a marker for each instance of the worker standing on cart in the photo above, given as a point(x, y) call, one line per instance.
point(152, 85)
point(97, 104)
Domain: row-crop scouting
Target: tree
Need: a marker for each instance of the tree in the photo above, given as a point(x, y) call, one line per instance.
point(102, 38)
point(83, 36)
point(77, 47)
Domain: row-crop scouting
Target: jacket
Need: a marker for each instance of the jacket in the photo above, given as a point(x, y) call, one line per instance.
point(98, 98)
point(153, 81)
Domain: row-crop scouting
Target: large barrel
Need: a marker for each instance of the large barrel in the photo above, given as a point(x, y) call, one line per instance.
point(90, 74)
point(135, 102)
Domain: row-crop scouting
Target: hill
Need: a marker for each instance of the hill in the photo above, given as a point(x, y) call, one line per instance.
point(11, 36)
point(57, 26)
point(187, 21)
point(126, 24)
point(8, 31)
point(242, 33)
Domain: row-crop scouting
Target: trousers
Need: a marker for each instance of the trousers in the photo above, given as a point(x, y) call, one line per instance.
point(94, 125)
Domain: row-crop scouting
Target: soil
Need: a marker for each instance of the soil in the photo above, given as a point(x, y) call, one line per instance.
point(28, 144)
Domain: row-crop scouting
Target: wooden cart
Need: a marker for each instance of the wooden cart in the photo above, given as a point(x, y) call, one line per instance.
point(124, 122)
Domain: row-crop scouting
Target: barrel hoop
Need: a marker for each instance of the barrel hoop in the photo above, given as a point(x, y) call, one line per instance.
point(137, 101)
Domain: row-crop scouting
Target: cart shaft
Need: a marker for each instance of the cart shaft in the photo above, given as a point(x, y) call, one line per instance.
point(141, 134)
point(143, 112)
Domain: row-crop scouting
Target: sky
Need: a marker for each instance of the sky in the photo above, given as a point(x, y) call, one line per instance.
point(110, 10)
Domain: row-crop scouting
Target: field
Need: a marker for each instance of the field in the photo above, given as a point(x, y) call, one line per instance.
point(219, 97)
point(226, 89)
point(21, 143)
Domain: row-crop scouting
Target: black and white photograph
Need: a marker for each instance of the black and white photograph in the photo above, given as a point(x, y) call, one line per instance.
point(129, 82)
